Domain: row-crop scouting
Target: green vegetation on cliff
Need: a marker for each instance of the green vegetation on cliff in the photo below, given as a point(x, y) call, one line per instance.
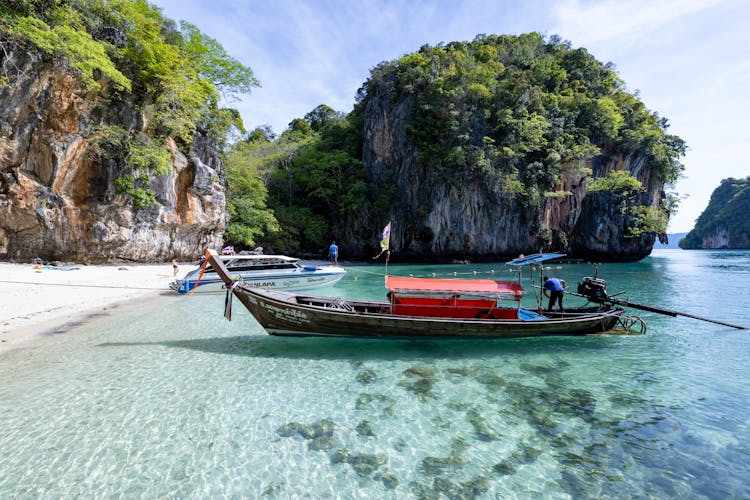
point(521, 107)
point(517, 112)
point(314, 175)
point(126, 53)
point(725, 222)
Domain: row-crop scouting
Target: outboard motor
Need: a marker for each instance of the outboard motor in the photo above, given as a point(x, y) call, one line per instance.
point(593, 288)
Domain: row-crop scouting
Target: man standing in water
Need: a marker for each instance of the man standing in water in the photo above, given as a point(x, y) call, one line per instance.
point(556, 291)
point(333, 253)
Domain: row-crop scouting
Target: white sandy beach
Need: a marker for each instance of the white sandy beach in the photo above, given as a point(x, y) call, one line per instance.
point(33, 301)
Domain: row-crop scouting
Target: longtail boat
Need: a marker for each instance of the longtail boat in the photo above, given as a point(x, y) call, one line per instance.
point(426, 308)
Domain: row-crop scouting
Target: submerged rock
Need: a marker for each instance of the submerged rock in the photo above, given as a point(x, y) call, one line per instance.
point(362, 463)
point(480, 426)
point(389, 480)
point(288, 430)
point(321, 428)
point(322, 443)
point(420, 371)
point(366, 376)
point(364, 428)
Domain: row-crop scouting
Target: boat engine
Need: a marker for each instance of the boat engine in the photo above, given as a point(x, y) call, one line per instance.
point(593, 288)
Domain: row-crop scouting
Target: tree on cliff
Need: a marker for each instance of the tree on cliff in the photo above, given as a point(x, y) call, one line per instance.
point(313, 175)
point(125, 50)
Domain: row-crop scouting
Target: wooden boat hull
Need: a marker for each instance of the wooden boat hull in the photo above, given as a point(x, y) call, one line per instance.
point(282, 313)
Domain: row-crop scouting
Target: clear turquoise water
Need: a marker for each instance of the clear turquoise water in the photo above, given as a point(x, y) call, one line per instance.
point(167, 399)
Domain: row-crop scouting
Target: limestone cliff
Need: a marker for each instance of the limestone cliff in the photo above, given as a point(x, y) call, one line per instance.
point(58, 200)
point(725, 223)
point(466, 218)
point(512, 144)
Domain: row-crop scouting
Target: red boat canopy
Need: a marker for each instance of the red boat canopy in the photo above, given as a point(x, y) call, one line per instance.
point(402, 284)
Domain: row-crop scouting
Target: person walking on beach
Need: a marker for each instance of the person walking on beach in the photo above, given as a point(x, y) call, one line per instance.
point(333, 253)
point(174, 268)
point(554, 289)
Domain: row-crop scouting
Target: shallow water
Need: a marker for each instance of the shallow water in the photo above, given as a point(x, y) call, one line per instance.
point(167, 399)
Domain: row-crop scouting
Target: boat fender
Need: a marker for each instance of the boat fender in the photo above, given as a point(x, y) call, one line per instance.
point(310, 268)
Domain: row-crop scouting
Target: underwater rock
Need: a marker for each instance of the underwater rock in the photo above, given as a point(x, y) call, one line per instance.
point(475, 486)
point(480, 426)
point(420, 371)
point(322, 443)
point(458, 445)
point(443, 488)
point(399, 445)
point(366, 376)
point(446, 488)
point(340, 456)
point(504, 468)
point(364, 428)
point(526, 455)
point(271, 489)
point(321, 428)
point(435, 466)
point(580, 403)
point(421, 386)
point(363, 400)
point(389, 480)
point(490, 379)
point(458, 371)
point(288, 430)
point(362, 463)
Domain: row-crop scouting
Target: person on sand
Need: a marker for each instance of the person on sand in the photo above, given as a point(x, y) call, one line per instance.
point(333, 253)
point(174, 268)
point(555, 290)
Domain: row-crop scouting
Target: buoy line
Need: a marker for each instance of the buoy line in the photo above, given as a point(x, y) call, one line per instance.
point(491, 272)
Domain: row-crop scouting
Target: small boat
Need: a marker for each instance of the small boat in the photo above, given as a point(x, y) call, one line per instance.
point(253, 270)
point(417, 308)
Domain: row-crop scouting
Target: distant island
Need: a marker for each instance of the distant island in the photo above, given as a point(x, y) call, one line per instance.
point(724, 223)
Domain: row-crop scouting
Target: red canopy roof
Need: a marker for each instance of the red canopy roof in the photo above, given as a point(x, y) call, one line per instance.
point(401, 284)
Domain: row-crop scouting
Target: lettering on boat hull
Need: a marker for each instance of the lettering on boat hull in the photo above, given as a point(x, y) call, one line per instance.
point(287, 314)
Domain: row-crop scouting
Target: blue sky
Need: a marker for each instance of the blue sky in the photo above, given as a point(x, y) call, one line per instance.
point(688, 59)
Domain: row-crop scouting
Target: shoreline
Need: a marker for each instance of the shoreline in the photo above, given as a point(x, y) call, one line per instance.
point(37, 302)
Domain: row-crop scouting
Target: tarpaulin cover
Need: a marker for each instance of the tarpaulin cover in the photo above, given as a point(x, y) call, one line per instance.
point(403, 284)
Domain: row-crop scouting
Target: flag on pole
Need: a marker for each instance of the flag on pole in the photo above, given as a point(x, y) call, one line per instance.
point(385, 240)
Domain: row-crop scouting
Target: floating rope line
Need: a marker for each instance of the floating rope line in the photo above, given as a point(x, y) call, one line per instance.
point(83, 286)
point(475, 273)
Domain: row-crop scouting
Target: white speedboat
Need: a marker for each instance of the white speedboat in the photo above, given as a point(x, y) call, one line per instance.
point(265, 271)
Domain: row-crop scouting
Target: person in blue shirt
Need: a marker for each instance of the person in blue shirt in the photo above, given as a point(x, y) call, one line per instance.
point(554, 289)
point(333, 253)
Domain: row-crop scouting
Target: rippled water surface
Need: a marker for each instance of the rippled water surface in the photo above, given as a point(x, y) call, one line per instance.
point(165, 398)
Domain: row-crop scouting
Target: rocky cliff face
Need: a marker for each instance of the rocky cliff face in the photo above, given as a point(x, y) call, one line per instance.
point(57, 199)
point(724, 224)
point(438, 218)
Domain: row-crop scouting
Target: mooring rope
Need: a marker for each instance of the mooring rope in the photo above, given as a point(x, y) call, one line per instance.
point(83, 286)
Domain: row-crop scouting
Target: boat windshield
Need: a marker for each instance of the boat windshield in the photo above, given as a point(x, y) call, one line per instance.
point(239, 264)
